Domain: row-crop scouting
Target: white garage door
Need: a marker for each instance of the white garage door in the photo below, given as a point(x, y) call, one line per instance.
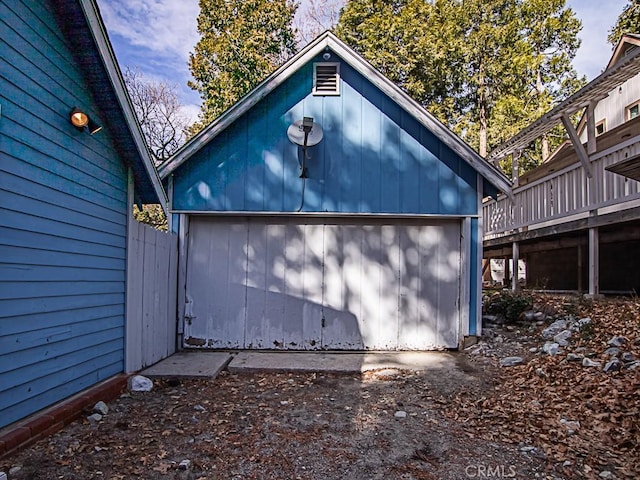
point(309, 284)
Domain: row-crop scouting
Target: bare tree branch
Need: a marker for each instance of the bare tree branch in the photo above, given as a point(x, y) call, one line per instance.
point(159, 112)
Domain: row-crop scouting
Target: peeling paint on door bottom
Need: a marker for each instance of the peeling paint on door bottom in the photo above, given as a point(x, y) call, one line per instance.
point(195, 342)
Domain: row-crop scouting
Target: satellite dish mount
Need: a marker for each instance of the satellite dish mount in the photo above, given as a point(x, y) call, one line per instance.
point(304, 133)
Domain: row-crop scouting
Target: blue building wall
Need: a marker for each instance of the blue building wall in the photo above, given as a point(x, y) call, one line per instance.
point(63, 215)
point(374, 158)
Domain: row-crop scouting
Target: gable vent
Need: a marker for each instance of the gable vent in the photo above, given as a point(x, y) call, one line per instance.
point(326, 78)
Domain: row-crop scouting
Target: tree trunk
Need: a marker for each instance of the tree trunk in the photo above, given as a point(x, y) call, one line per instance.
point(545, 147)
point(482, 113)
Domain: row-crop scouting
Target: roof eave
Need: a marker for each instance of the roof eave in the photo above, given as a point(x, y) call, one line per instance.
point(244, 105)
point(624, 69)
point(105, 51)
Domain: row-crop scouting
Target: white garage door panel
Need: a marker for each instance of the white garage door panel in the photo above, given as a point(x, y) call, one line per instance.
point(265, 283)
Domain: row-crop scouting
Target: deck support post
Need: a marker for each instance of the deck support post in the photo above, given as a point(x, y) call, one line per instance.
point(580, 268)
point(507, 272)
point(594, 260)
point(515, 286)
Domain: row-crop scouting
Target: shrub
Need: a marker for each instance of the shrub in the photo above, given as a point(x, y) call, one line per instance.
point(508, 304)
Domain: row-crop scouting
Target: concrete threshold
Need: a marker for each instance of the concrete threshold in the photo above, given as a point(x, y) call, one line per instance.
point(339, 362)
point(208, 364)
point(189, 364)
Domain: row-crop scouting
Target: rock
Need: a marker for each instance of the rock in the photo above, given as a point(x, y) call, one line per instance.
point(539, 316)
point(529, 315)
point(606, 474)
point(184, 465)
point(612, 351)
point(511, 361)
point(138, 383)
point(400, 414)
point(627, 357)
point(199, 408)
point(101, 408)
point(567, 463)
point(587, 362)
point(633, 365)
point(550, 348)
point(571, 425)
point(580, 324)
point(617, 341)
point(562, 338)
point(528, 449)
point(533, 349)
point(553, 329)
point(14, 470)
point(540, 372)
point(96, 417)
point(491, 319)
point(481, 348)
point(613, 366)
point(574, 357)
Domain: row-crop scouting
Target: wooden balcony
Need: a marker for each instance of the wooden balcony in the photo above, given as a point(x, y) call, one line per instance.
point(560, 193)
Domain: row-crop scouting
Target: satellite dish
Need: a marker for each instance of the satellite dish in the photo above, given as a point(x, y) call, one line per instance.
point(296, 133)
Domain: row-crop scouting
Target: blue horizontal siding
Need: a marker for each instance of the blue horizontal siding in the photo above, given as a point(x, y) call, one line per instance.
point(30, 28)
point(63, 222)
point(35, 290)
point(56, 386)
point(25, 210)
point(24, 160)
point(374, 158)
point(37, 273)
point(35, 255)
point(52, 337)
point(50, 320)
point(17, 307)
point(38, 361)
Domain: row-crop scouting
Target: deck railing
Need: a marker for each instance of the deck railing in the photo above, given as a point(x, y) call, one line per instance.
point(563, 194)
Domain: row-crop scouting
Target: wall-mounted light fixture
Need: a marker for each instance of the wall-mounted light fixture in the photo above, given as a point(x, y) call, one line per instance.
point(81, 120)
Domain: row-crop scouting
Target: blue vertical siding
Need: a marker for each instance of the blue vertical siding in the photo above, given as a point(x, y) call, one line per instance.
point(63, 214)
point(475, 275)
point(374, 158)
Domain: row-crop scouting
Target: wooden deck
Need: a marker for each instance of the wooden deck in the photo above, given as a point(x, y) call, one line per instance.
point(560, 191)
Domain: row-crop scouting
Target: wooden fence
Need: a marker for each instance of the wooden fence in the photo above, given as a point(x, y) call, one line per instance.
point(151, 296)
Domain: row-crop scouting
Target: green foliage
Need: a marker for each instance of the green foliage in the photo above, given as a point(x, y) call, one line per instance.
point(508, 304)
point(485, 68)
point(151, 215)
point(628, 22)
point(242, 42)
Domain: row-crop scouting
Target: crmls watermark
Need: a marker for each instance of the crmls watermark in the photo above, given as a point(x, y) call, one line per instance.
point(490, 471)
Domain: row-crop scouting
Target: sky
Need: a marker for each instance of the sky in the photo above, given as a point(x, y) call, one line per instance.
point(156, 36)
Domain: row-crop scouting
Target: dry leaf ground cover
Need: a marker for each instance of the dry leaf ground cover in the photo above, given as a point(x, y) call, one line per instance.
point(478, 420)
point(538, 401)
